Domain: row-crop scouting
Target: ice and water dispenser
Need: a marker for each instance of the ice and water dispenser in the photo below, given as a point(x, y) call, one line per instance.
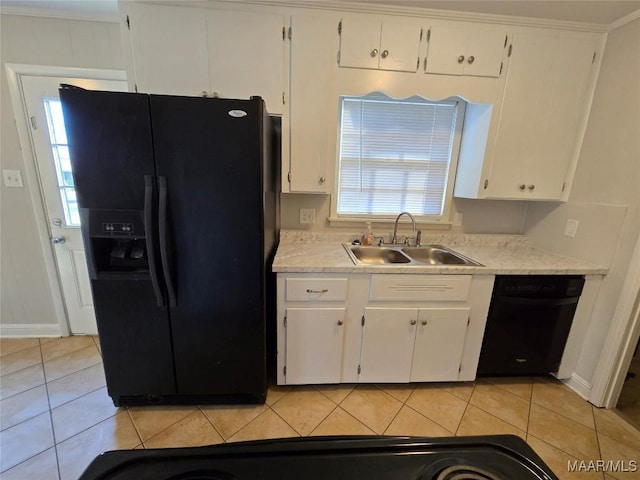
point(114, 242)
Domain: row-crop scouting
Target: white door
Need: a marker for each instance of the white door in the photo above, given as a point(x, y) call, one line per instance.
point(56, 183)
point(314, 342)
point(439, 344)
point(387, 344)
point(254, 65)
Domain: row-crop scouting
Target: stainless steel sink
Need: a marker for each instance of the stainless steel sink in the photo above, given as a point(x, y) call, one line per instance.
point(403, 255)
point(437, 255)
point(377, 255)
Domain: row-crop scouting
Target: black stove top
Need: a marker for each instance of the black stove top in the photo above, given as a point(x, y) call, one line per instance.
point(496, 457)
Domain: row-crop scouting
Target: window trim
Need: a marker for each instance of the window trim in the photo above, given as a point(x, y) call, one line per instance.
point(443, 219)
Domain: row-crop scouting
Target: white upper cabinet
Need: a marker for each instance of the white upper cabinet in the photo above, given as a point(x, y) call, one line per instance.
point(465, 50)
point(367, 42)
point(537, 125)
point(545, 101)
point(246, 56)
point(169, 49)
point(207, 52)
point(312, 110)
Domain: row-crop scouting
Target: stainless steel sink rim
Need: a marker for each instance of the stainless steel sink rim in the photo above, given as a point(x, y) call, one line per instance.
point(402, 254)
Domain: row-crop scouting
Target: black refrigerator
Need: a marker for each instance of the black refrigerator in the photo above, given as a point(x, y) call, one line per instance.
point(178, 200)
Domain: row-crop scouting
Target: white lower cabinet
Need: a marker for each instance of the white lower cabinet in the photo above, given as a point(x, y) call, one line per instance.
point(440, 340)
point(362, 328)
point(412, 344)
point(314, 344)
point(388, 335)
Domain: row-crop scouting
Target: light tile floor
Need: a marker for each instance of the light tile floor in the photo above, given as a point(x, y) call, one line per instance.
point(55, 415)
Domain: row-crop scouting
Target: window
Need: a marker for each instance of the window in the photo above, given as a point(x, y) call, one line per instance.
point(397, 155)
point(61, 159)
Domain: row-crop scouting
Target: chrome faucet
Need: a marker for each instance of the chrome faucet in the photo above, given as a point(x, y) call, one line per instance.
point(395, 227)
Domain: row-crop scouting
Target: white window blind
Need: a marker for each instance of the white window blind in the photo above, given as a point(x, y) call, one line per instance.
point(395, 155)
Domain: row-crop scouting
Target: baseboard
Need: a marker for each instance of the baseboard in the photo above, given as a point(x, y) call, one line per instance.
point(25, 330)
point(578, 385)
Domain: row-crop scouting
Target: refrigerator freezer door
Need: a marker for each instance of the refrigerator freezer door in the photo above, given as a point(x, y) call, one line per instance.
point(110, 144)
point(135, 341)
point(111, 152)
point(212, 153)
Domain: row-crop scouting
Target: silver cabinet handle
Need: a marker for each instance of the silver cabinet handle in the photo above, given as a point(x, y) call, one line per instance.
point(324, 290)
point(424, 322)
point(374, 52)
point(384, 54)
point(531, 187)
point(340, 322)
point(522, 186)
point(461, 59)
point(322, 179)
point(413, 322)
point(58, 240)
point(471, 59)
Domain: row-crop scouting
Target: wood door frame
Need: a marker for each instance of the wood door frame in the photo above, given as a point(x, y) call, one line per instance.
point(14, 72)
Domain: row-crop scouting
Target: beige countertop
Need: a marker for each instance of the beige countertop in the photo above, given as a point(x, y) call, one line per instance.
point(499, 255)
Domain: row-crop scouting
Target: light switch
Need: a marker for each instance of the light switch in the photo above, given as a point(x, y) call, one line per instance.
point(12, 178)
point(571, 227)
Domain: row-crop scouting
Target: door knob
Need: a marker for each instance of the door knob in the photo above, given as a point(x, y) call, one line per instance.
point(522, 186)
point(340, 322)
point(531, 187)
point(471, 59)
point(58, 239)
point(374, 52)
point(424, 322)
point(384, 54)
point(413, 322)
point(461, 59)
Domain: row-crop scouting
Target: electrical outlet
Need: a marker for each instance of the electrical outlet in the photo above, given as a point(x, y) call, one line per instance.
point(571, 227)
point(12, 178)
point(308, 215)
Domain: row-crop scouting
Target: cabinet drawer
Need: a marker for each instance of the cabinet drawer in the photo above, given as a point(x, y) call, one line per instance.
point(444, 288)
point(316, 289)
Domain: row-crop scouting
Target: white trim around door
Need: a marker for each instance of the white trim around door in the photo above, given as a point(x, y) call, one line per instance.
point(621, 340)
point(14, 73)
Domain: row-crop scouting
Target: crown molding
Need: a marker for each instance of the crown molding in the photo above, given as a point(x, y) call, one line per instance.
point(61, 14)
point(397, 10)
point(624, 20)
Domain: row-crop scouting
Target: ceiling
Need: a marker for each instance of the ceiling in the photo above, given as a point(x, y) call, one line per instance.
point(603, 12)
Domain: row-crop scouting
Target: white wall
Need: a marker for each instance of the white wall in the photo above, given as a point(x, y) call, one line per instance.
point(479, 216)
point(605, 196)
point(25, 297)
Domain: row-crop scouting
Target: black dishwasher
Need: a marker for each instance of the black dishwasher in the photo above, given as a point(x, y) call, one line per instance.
point(528, 324)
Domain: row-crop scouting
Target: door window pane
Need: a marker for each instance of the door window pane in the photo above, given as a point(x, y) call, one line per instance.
point(61, 160)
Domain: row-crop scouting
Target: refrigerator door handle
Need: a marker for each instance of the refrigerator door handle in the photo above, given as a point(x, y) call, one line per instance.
point(148, 235)
point(164, 240)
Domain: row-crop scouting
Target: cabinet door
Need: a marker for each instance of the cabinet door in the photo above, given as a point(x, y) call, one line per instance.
point(460, 50)
point(246, 55)
point(446, 46)
point(484, 53)
point(399, 47)
point(314, 339)
point(543, 103)
point(439, 344)
point(169, 46)
point(312, 113)
point(359, 42)
point(387, 344)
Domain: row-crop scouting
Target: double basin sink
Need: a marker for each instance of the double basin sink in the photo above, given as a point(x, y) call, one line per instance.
point(405, 255)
